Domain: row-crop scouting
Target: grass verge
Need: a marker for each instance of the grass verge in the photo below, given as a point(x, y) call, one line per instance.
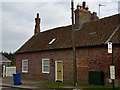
point(100, 89)
point(56, 84)
point(70, 85)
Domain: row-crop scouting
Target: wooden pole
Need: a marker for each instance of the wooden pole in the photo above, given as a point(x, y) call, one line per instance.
point(73, 46)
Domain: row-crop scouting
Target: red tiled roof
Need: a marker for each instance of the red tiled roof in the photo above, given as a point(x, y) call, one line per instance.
point(91, 33)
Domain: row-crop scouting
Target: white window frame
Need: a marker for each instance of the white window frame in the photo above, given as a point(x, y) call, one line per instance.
point(45, 65)
point(24, 71)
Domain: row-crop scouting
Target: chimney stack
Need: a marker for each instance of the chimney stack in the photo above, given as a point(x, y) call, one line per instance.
point(37, 24)
point(83, 15)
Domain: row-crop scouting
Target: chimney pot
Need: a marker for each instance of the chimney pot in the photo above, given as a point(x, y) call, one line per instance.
point(78, 6)
point(84, 4)
point(37, 15)
point(86, 8)
point(94, 13)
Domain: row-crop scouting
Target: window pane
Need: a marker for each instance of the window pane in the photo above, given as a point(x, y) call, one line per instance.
point(25, 62)
point(46, 68)
point(46, 62)
point(25, 68)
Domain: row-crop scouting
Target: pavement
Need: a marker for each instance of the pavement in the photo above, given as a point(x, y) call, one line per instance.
point(26, 84)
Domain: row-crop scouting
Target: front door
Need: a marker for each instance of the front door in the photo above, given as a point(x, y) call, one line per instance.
point(59, 71)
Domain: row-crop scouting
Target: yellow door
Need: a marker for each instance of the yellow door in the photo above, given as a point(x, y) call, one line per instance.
point(59, 71)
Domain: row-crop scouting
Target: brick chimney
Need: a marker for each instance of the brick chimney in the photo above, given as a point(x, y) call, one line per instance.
point(82, 15)
point(37, 24)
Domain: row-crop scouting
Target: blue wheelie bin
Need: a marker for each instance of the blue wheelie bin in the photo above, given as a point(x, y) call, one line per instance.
point(17, 79)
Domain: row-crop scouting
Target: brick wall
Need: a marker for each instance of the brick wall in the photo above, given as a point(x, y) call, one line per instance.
point(96, 59)
point(88, 59)
point(35, 64)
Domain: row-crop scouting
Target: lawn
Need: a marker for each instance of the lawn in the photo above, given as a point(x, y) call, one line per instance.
point(96, 87)
point(100, 89)
point(56, 84)
point(70, 85)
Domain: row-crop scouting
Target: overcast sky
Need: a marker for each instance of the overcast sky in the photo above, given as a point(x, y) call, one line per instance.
point(17, 18)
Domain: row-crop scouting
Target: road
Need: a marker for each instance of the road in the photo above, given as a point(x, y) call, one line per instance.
point(10, 88)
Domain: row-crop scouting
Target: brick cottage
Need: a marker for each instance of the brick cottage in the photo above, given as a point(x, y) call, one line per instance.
point(47, 56)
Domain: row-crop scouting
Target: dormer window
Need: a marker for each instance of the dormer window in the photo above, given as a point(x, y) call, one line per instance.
point(52, 41)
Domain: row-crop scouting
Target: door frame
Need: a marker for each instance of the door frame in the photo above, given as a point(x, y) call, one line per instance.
point(56, 70)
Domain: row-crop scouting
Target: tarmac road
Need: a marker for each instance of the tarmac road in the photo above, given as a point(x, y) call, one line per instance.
point(10, 88)
point(58, 89)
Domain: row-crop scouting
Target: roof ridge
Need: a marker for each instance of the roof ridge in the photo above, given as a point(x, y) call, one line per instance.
point(55, 28)
point(112, 34)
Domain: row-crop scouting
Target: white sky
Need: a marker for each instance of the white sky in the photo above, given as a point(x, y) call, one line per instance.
point(17, 18)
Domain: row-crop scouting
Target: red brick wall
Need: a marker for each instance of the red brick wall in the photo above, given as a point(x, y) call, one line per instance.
point(35, 64)
point(88, 59)
point(96, 59)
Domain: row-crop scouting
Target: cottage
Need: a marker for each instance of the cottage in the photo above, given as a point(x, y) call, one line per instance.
point(47, 56)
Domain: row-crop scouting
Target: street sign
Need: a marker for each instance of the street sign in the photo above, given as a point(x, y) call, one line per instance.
point(112, 72)
point(109, 47)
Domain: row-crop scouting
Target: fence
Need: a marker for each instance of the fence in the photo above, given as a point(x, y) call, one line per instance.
point(8, 71)
point(0, 69)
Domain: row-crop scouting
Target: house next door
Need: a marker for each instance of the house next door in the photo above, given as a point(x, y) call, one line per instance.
point(59, 70)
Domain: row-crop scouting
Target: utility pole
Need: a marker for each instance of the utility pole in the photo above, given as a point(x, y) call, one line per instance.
point(119, 28)
point(73, 46)
point(112, 67)
point(119, 7)
point(113, 82)
point(99, 8)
